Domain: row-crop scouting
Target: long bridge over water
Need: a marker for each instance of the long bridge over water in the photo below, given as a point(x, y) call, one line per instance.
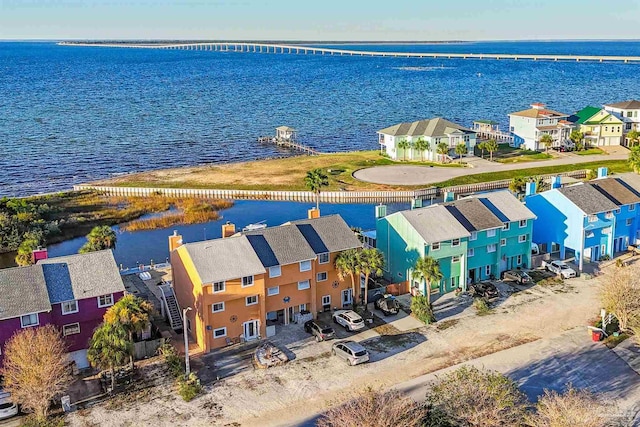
point(248, 47)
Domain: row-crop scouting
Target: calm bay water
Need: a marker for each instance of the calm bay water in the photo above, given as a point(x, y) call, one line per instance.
point(73, 114)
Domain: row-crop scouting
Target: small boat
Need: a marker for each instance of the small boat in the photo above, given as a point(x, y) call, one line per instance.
point(257, 226)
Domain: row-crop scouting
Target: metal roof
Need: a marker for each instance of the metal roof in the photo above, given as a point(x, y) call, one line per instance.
point(435, 224)
point(428, 127)
point(328, 234)
point(224, 259)
point(587, 198)
point(23, 291)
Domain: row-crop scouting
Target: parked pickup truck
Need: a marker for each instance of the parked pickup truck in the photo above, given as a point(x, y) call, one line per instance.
point(559, 267)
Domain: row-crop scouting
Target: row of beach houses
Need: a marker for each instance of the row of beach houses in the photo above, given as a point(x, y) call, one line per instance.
point(603, 126)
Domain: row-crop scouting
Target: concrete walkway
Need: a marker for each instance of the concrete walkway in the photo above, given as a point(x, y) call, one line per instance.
point(422, 175)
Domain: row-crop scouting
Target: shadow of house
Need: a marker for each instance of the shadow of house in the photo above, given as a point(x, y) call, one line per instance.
point(384, 346)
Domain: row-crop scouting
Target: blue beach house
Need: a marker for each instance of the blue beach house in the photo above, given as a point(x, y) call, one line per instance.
point(473, 239)
point(590, 220)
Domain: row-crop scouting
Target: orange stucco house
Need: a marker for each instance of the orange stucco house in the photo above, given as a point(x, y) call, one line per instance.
point(241, 286)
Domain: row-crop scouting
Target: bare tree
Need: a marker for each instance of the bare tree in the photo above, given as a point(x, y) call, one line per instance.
point(574, 408)
point(474, 398)
point(620, 294)
point(372, 408)
point(36, 368)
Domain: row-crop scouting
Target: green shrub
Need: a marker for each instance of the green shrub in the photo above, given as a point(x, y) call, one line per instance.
point(188, 389)
point(481, 306)
point(172, 359)
point(422, 309)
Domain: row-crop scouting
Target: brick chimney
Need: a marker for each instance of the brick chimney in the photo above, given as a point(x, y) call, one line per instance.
point(175, 241)
point(313, 213)
point(39, 254)
point(228, 229)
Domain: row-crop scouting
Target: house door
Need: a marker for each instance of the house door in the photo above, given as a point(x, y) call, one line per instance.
point(347, 297)
point(472, 276)
point(251, 330)
point(595, 253)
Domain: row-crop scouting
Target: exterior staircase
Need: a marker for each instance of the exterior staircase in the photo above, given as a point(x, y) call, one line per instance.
point(172, 310)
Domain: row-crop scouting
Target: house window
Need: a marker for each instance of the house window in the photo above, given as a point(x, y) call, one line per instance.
point(219, 287)
point(593, 218)
point(275, 290)
point(629, 221)
point(321, 277)
point(632, 207)
point(506, 226)
point(455, 258)
point(618, 210)
point(275, 271)
point(519, 260)
point(29, 320)
point(252, 300)
point(523, 223)
point(71, 329)
point(435, 246)
point(455, 242)
point(503, 242)
point(247, 281)
point(326, 300)
point(304, 285)
point(609, 215)
point(303, 307)
point(474, 235)
point(220, 332)
point(105, 301)
point(487, 270)
point(217, 307)
point(491, 248)
point(453, 282)
point(69, 307)
point(323, 258)
point(491, 233)
point(305, 265)
point(522, 238)
point(470, 252)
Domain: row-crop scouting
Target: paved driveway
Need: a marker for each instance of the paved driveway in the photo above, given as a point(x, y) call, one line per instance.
point(419, 175)
point(551, 363)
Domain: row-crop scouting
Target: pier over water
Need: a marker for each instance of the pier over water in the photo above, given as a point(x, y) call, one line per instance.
point(246, 47)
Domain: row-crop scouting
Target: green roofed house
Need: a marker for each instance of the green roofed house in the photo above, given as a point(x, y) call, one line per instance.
point(473, 239)
point(599, 127)
point(432, 131)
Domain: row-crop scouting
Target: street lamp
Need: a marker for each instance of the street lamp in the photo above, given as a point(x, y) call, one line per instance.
point(186, 340)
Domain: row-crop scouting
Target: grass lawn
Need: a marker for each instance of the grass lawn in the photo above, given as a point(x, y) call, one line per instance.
point(274, 174)
point(589, 152)
point(508, 154)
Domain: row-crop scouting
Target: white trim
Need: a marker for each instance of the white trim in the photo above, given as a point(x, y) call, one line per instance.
point(492, 246)
point(213, 309)
point(30, 325)
point(224, 329)
point(328, 301)
point(453, 244)
point(491, 232)
point(503, 242)
point(246, 300)
point(474, 235)
point(277, 291)
point(455, 259)
point(308, 285)
point(106, 304)
point(272, 274)
point(506, 226)
point(328, 258)
point(326, 276)
point(470, 252)
point(522, 238)
point(213, 287)
point(521, 223)
point(64, 312)
point(64, 332)
point(435, 246)
point(250, 284)
point(307, 262)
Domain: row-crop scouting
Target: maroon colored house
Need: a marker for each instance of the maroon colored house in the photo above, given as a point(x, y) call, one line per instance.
point(71, 292)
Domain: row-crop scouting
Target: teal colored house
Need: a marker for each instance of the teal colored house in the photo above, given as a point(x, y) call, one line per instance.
point(473, 239)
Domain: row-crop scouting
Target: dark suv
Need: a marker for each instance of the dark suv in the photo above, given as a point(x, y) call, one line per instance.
point(321, 331)
point(484, 290)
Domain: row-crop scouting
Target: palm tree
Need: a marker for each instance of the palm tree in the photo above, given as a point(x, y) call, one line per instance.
point(100, 238)
point(348, 264)
point(482, 146)
point(443, 150)
point(109, 347)
point(371, 263)
point(460, 150)
point(577, 137)
point(491, 146)
point(404, 145)
point(634, 159)
point(422, 145)
point(314, 181)
point(546, 140)
point(132, 314)
point(633, 137)
point(427, 269)
point(517, 185)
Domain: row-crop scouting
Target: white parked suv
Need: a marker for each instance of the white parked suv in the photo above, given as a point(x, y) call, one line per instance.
point(349, 319)
point(561, 268)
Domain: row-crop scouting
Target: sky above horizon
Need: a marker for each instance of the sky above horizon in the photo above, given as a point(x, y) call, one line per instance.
point(327, 20)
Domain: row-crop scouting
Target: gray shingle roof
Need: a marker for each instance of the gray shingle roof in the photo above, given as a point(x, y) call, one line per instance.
point(473, 214)
point(631, 181)
point(328, 234)
point(81, 276)
point(280, 245)
point(428, 127)
point(22, 291)
point(587, 198)
point(435, 224)
point(626, 105)
point(224, 259)
point(505, 206)
point(616, 190)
